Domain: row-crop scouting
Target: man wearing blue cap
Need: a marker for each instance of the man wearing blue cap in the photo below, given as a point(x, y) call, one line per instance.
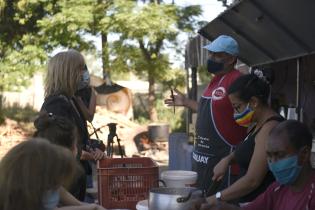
point(216, 131)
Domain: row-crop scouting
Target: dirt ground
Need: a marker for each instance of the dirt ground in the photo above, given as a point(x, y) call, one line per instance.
point(13, 132)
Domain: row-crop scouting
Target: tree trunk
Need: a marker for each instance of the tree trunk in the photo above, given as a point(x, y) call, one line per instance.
point(105, 59)
point(152, 110)
point(1, 106)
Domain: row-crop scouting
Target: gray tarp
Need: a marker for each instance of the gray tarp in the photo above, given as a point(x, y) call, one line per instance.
point(267, 30)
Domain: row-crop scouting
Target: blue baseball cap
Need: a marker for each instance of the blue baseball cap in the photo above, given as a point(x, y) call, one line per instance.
point(225, 44)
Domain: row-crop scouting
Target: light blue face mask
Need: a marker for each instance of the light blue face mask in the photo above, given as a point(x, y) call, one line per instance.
point(85, 80)
point(286, 171)
point(50, 199)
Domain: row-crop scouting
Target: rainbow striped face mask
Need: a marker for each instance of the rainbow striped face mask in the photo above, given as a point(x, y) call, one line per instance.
point(245, 118)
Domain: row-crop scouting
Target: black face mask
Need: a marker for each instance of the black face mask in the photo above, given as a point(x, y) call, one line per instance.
point(214, 67)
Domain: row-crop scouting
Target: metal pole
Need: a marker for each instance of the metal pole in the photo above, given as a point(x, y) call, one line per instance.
point(194, 83)
point(298, 88)
point(188, 112)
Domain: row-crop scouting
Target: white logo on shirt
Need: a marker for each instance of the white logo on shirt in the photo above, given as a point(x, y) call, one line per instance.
point(218, 93)
point(200, 158)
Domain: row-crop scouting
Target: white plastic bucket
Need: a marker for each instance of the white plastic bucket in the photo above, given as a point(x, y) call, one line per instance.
point(179, 178)
point(142, 205)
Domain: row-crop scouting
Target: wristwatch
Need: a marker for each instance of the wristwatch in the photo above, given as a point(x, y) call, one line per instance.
point(218, 196)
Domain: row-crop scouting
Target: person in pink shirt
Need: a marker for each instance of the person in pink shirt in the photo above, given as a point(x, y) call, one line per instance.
point(288, 150)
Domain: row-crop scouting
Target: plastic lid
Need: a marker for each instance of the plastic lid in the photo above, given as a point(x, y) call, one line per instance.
point(178, 174)
point(142, 205)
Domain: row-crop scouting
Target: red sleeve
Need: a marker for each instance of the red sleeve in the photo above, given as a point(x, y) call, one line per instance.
point(312, 204)
point(264, 201)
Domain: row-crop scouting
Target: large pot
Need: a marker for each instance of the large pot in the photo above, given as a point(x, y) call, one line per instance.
point(168, 198)
point(158, 132)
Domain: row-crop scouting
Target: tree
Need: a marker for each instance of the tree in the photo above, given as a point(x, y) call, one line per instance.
point(20, 52)
point(31, 29)
point(145, 31)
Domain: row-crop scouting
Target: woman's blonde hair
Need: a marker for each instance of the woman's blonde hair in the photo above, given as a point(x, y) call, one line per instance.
point(29, 170)
point(63, 73)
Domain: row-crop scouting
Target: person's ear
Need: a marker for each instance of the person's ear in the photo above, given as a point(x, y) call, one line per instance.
point(254, 102)
point(304, 155)
point(231, 60)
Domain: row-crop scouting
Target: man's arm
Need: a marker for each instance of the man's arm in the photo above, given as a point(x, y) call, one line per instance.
point(191, 104)
point(179, 99)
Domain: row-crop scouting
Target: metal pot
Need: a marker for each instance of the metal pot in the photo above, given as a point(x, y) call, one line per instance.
point(168, 198)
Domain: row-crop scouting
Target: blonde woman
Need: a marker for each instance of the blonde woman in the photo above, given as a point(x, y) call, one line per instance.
point(65, 71)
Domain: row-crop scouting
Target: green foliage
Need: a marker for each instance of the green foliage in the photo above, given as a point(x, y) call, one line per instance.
point(17, 66)
point(31, 29)
point(21, 53)
point(165, 114)
point(1, 110)
point(176, 121)
point(204, 75)
point(145, 28)
point(67, 25)
point(20, 114)
point(174, 78)
point(186, 20)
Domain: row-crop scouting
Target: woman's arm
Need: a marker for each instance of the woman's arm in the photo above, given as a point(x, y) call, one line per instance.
point(71, 203)
point(92, 106)
point(256, 172)
point(88, 112)
point(82, 207)
point(67, 199)
point(221, 167)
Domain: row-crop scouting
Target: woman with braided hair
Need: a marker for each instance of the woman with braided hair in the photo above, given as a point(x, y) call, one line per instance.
point(61, 131)
point(249, 96)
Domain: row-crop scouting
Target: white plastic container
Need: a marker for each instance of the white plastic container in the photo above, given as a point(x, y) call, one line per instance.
point(142, 205)
point(179, 178)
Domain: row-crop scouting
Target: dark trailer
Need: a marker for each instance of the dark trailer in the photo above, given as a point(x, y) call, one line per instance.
point(275, 36)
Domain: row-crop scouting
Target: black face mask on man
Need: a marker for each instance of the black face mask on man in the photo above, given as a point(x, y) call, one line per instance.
point(214, 67)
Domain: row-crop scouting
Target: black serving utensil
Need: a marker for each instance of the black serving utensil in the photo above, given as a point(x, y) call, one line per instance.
point(173, 98)
point(213, 188)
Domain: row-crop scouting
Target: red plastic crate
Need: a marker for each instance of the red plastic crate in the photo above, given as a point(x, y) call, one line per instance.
point(122, 182)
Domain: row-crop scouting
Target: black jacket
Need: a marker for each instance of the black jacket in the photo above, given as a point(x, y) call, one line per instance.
point(64, 106)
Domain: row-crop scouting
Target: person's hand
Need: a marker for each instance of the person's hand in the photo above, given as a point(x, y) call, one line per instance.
point(211, 200)
point(197, 203)
point(177, 99)
point(220, 169)
point(86, 155)
point(97, 207)
point(98, 154)
point(92, 207)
